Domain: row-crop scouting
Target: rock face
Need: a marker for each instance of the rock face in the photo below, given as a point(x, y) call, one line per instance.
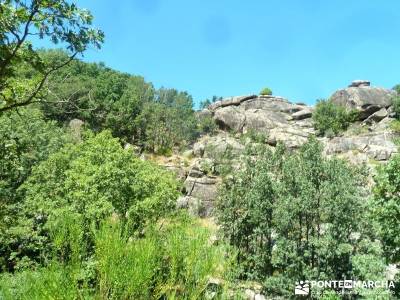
point(275, 116)
point(363, 98)
point(377, 146)
point(369, 140)
point(201, 191)
point(76, 127)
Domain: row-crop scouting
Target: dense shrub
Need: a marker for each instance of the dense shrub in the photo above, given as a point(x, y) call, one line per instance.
point(266, 92)
point(330, 118)
point(85, 183)
point(291, 216)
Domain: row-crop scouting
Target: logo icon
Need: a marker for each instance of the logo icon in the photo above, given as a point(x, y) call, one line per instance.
point(348, 284)
point(302, 288)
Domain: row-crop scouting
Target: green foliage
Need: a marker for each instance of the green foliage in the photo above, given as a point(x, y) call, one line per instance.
point(53, 282)
point(395, 126)
point(103, 98)
point(156, 120)
point(397, 88)
point(253, 136)
point(266, 92)
point(386, 207)
point(174, 260)
point(221, 157)
point(167, 122)
point(329, 117)
point(57, 21)
point(291, 216)
point(86, 183)
point(206, 124)
point(25, 140)
point(396, 105)
point(396, 101)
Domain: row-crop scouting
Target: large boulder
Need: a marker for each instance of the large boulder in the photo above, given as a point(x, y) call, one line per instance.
point(230, 118)
point(251, 112)
point(364, 98)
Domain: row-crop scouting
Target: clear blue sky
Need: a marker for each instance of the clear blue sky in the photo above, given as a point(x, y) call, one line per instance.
point(302, 50)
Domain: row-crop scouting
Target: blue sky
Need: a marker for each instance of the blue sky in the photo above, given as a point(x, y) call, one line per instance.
point(302, 50)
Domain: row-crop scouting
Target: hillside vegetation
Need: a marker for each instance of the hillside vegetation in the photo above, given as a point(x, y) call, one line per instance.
point(113, 189)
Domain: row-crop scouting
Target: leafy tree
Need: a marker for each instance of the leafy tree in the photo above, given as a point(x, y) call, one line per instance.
point(386, 207)
point(266, 92)
point(127, 105)
point(25, 140)
point(102, 97)
point(293, 216)
point(56, 20)
point(167, 122)
point(87, 182)
point(330, 118)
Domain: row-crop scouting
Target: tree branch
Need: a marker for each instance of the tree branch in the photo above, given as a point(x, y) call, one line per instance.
point(20, 40)
point(31, 98)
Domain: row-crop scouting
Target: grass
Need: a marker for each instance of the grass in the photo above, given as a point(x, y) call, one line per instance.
point(395, 126)
point(175, 259)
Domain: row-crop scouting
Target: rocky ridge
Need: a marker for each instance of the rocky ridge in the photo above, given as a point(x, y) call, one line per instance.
point(369, 140)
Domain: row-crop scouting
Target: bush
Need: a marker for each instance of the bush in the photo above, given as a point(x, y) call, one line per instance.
point(330, 117)
point(286, 212)
point(83, 184)
point(206, 125)
point(266, 92)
